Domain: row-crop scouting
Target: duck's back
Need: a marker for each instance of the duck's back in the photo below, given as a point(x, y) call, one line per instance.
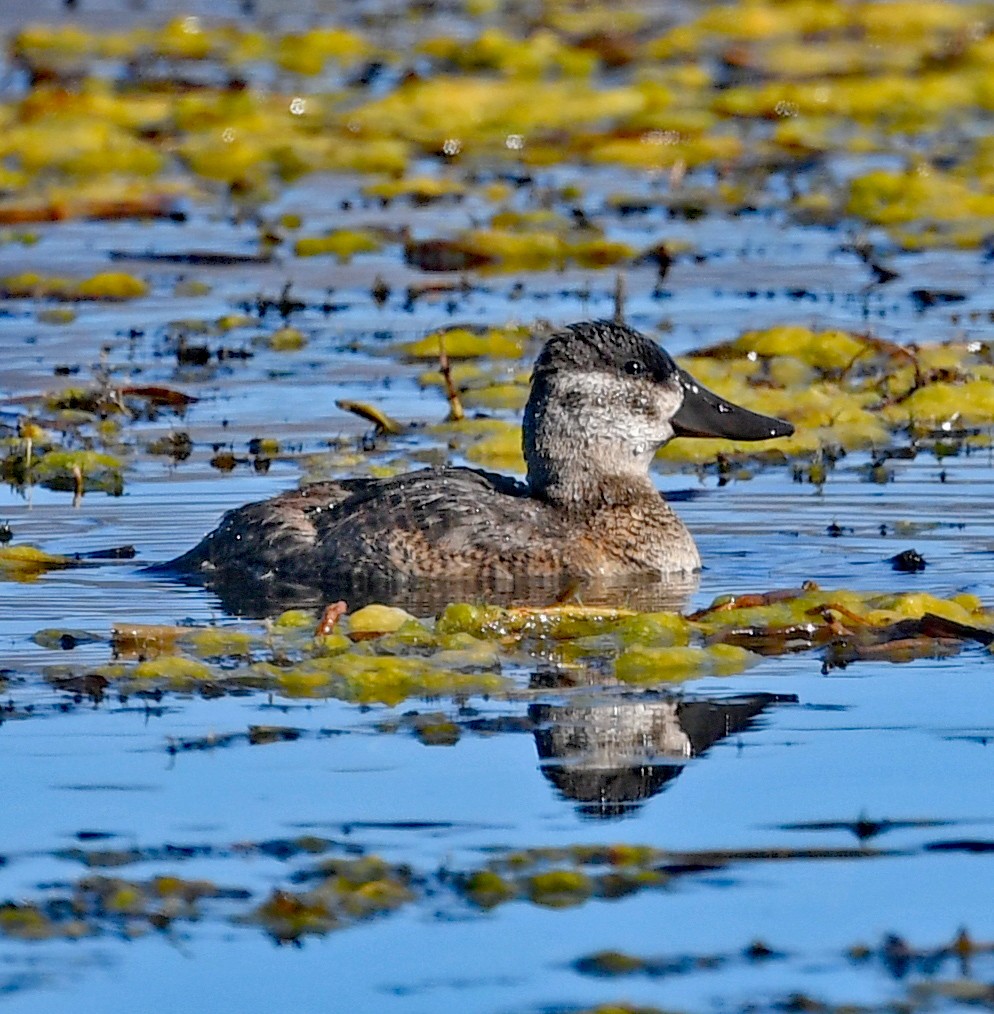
point(446, 522)
point(439, 523)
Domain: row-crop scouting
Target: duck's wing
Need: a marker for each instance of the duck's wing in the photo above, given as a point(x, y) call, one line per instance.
point(438, 523)
point(268, 535)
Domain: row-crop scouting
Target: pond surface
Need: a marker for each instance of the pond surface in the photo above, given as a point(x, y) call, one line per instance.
point(817, 835)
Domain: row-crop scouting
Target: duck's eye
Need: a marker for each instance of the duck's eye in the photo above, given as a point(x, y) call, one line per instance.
point(634, 368)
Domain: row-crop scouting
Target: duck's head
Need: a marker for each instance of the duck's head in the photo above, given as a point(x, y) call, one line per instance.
point(605, 398)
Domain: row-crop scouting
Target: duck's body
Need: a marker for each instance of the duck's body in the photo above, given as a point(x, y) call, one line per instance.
point(603, 400)
point(443, 523)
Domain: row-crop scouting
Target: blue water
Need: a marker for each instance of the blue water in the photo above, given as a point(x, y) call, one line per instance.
point(881, 741)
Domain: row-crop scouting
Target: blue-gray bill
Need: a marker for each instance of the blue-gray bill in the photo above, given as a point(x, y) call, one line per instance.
point(706, 414)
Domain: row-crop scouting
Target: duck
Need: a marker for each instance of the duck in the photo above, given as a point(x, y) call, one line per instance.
point(603, 399)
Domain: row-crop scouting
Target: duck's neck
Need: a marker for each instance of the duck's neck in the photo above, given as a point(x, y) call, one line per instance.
point(578, 452)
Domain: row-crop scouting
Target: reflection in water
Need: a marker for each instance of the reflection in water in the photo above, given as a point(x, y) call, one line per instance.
point(611, 753)
point(424, 597)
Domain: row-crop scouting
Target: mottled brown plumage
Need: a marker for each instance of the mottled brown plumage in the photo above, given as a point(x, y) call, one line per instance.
point(603, 400)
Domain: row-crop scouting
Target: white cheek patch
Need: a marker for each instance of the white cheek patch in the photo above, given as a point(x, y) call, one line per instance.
point(631, 413)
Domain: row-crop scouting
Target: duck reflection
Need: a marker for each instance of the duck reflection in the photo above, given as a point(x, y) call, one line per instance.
point(243, 596)
point(611, 753)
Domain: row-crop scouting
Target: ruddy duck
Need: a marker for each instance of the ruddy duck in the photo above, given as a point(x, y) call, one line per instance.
point(604, 398)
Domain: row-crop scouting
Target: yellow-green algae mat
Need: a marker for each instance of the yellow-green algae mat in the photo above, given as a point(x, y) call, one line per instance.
point(333, 892)
point(843, 391)
point(347, 889)
point(383, 655)
point(603, 84)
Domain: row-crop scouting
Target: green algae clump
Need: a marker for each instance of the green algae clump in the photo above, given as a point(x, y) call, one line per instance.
point(172, 669)
point(373, 620)
point(214, 642)
point(559, 888)
point(296, 619)
point(112, 285)
point(108, 285)
point(343, 244)
point(26, 563)
point(79, 470)
point(373, 679)
point(654, 665)
point(287, 339)
point(460, 343)
point(488, 889)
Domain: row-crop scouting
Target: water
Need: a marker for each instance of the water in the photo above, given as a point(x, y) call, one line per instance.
point(747, 763)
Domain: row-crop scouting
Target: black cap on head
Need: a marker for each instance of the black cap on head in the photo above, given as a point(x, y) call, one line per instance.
point(606, 346)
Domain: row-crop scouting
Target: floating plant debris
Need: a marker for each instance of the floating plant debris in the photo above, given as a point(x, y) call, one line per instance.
point(383, 655)
point(216, 229)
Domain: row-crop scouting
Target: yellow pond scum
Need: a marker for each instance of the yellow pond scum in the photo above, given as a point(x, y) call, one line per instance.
point(653, 665)
point(28, 563)
point(814, 606)
point(840, 389)
point(843, 390)
point(350, 890)
point(343, 244)
point(378, 679)
point(880, 76)
point(564, 877)
point(540, 54)
point(417, 189)
point(381, 654)
point(113, 286)
point(287, 339)
point(32, 458)
point(462, 343)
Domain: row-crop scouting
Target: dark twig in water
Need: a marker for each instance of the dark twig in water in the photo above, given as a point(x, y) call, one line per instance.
point(456, 411)
point(619, 299)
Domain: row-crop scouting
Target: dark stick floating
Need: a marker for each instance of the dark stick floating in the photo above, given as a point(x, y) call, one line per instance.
point(603, 400)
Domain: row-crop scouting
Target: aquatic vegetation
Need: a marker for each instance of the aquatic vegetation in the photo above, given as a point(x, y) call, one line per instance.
point(344, 890)
point(98, 903)
point(461, 343)
point(91, 469)
point(343, 244)
point(382, 655)
point(537, 250)
point(738, 82)
point(494, 166)
point(654, 664)
point(841, 389)
point(375, 620)
point(287, 339)
point(350, 890)
point(26, 563)
point(308, 52)
point(109, 285)
point(416, 189)
point(370, 679)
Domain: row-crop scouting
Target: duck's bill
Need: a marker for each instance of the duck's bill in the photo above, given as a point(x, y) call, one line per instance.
point(704, 414)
